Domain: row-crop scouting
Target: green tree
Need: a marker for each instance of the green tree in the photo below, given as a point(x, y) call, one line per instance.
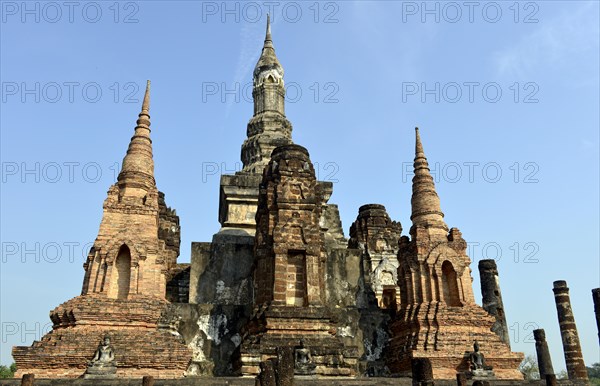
point(562, 374)
point(594, 371)
point(529, 368)
point(8, 372)
point(594, 374)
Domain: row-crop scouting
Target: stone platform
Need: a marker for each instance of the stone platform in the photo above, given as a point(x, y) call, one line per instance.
point(444, 335)
point(141, 348)
point(232, 381)
point(282, 326)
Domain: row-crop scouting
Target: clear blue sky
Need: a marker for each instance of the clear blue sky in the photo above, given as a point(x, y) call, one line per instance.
point(362, 75)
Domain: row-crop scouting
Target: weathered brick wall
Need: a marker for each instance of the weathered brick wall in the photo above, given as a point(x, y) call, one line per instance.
point(289, 275)
point(377, 236)
point(178, 284)
point(133, 224)
point(289, 210)
point(148, 229)
point(250, 382)
point(212, 333)
point(169, 231)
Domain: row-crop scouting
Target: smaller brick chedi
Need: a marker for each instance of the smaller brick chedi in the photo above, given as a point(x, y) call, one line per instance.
point(437, 315)
point(124, 285)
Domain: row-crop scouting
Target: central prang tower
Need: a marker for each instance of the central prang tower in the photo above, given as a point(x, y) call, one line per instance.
point(238, 193)
point(265, 273)
point(269, 127)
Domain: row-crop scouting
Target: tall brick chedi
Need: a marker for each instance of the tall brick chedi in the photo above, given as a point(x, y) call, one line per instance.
point(130, 257)
point(437, 315)
point(124, 285)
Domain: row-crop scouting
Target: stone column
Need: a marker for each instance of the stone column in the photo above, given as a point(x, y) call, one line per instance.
point(285, 366)
point(422, 372)
point(148, 380)
point(266, 377)
point(461, 379)
point(551, 380)
point(596, 297)
point(568, 329)
point(543, 354)
point(492, 297)
point(27, 380)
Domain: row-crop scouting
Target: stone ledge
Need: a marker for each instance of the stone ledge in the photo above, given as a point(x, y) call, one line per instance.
point(237, 381)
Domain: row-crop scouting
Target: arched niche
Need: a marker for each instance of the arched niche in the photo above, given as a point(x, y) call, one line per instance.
point(388, 297)
point(121, 274)
point(450, 285)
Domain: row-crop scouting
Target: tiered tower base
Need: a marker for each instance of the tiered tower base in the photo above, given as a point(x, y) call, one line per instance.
point(286, 326)
point(81, 323)
point(445, 335)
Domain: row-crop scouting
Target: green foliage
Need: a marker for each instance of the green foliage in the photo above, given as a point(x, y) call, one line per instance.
point(594, 371)
point(8, 372)
point(594, 374)
point(529, 368)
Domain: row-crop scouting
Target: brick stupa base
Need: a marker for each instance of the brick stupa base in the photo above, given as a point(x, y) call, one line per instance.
point(445, 336)
point(286, 326)
point(81, 323)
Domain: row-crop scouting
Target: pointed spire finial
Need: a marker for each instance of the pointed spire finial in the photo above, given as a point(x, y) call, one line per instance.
point(144, 116)
point(268, 39)
point(268, 35)
point(426, 210)
point(268, 63)
point(146, 103)
point(137, 168)
point(418, 145)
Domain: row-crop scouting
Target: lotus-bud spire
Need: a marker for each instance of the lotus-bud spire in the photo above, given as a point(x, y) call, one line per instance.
point(138, 166)
point(426, 210)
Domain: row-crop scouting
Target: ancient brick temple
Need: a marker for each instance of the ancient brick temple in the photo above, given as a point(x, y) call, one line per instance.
point(124, 285)
point(279, 272)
